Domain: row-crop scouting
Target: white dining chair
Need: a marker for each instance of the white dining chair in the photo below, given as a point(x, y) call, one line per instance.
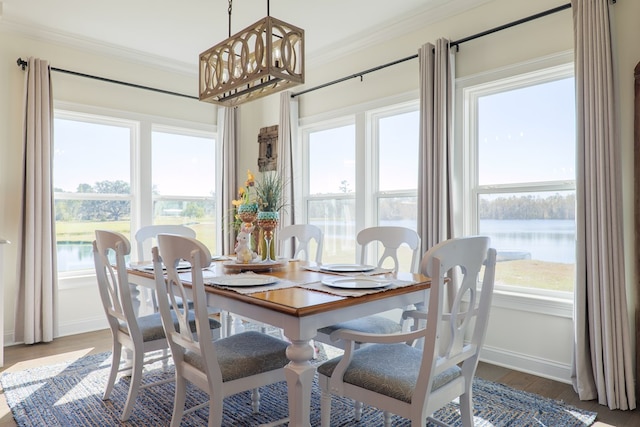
point(391, 238)
point(398, 378)
point(294, 241)
point(141, 335)
point(240, 362)
point(146, 237)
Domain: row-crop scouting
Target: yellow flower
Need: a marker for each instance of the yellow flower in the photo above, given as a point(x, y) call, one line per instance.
point(250, 179)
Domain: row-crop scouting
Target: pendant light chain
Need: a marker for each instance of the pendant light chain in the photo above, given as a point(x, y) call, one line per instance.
point(229, 10)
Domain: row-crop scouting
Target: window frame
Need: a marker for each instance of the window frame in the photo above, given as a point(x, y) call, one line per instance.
point(365, 118)
point(140, 197)
point(468, 90)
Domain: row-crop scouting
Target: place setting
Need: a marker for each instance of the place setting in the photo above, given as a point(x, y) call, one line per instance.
point(349, 269)
point(356, 285)
point(246, 283)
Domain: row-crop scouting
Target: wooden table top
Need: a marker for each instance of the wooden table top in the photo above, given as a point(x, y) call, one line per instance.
point(297, 301)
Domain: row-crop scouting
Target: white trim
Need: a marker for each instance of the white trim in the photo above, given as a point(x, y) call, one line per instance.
point(540, 367)
point(390, 101)
point(540, 304)
point(100, 48)
point(439, 11)
point(131, 116)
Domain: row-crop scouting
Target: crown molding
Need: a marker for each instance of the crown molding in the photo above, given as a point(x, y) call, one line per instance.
point(44, 34)
point(437, 11)
point(440, 10)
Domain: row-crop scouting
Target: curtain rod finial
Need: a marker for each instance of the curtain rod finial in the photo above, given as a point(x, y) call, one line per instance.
point(22, 63)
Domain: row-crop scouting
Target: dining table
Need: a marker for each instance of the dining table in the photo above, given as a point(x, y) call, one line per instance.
point(299, 298)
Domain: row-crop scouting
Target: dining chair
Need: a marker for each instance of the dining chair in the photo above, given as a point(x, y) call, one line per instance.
point(398, 378)
point(391, 238)
point(298, 237)
point(149, 233)
point(230, 365)
point(146, 237)
point(141, 335)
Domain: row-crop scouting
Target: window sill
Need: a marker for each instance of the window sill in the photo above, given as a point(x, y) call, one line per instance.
point(77, 279)
point(548, 305)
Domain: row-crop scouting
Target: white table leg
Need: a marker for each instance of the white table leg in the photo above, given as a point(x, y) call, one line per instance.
point(299, 373)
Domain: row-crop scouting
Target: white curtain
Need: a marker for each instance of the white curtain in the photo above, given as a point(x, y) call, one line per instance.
point(287, 151)
point(602, 365)
point(436, 143)
point(36, 313)
point(287, 134)
point(227, 129)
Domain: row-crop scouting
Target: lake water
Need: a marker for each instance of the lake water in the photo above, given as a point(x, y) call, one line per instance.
point(545, 240)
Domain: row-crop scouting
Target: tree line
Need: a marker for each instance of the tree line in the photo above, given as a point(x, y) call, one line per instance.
point(556, 206)
point(116, 210)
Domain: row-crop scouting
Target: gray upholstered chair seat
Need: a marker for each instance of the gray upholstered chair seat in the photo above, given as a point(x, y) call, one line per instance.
point(368, 324)
point(151, 325)
point(245, 354)
point(370, 369)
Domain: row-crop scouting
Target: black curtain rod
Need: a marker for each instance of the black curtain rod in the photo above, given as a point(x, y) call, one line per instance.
point(455, 44)
point(23, 64)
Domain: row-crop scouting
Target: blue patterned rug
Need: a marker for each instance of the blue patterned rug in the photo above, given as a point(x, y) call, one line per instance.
point(69, 395)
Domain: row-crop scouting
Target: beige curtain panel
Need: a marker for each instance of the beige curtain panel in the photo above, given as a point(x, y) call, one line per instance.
point(36, 319)
point(603, 364)
point(227, 128)
point(436, 142)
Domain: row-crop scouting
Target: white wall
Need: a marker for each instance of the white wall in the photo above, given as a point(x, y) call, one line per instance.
point(533, 336)
point(80, 309)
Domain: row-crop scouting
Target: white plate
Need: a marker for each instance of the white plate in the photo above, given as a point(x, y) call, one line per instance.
point(347, 268)
point(357, 283)
point(182, 265)
point(243, 280)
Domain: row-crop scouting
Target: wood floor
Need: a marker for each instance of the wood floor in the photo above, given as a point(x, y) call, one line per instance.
point(21, 357)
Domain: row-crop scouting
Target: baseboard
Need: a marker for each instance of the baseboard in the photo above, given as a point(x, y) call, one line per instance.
point(90, 324)
point(525, 363)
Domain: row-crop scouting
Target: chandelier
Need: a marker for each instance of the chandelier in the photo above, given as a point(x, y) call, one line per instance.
point(260, 60)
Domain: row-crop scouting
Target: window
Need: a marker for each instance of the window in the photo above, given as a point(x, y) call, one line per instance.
point(183, 176)
point(92, 183)
point(362, 172)
point(520, 145)
point(107, 175)
point(332, 185)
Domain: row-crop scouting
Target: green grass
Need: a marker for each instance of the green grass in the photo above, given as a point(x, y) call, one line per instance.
point(536, 274)
point(84, 231)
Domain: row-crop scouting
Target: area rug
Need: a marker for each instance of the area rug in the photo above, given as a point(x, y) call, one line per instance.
point(69, 395)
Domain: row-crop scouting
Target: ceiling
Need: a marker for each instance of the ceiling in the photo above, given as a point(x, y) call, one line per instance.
point(173, 33)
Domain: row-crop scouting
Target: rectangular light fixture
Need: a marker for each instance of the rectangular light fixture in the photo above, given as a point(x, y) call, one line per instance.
point(260, 60)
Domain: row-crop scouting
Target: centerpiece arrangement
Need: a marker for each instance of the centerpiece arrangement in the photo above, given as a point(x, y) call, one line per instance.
point(259, 203)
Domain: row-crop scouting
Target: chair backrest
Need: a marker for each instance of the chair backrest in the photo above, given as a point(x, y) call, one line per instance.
point(467, 317)
point(391, 238)
point(170, 251)
point(152, 231)
point(303, 234)
point(113, 281)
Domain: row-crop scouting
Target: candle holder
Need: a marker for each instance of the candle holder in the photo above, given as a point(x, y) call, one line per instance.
point(268, 221)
